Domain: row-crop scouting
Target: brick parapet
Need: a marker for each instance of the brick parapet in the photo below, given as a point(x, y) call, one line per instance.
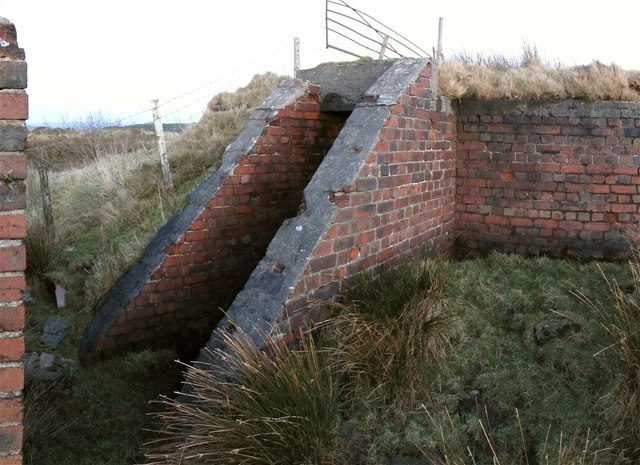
point(13, 132)
point(548, 178)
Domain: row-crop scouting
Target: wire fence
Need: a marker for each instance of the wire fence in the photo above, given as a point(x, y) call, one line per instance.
point(356, 33)
point(183, 109)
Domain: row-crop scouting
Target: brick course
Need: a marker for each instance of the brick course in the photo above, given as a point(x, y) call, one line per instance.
point(400, 205)
point(565, 184)
point(13, 228)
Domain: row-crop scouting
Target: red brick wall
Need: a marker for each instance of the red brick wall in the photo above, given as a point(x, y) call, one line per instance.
point(545, 177)
point(401, 205)
point(13, 226)
point(208, 265)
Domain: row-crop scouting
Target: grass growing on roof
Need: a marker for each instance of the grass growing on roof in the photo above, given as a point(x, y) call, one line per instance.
point(531, 77)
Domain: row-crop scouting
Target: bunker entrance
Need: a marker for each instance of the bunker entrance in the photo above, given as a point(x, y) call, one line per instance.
point(198, 262)
point(270, 191)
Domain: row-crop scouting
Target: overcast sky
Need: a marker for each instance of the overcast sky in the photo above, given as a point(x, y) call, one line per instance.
point(115, 56)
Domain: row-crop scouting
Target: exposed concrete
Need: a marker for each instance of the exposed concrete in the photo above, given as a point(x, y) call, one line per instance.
point(542, 108)
point(344, 84)
point(258, 306)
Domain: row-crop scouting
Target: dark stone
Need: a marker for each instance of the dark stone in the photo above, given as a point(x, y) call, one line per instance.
point(356, 444)
point(46, 366)
point(13, 196)
point(631, 132)
point(46, 360)
point(13, 75)
point(54, 332)
point(13, 136)
point(552, 328)
point(512, 320)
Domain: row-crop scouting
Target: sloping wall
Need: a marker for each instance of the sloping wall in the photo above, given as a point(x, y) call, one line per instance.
point(384, 193)
point(13, 229)
point(202, 257)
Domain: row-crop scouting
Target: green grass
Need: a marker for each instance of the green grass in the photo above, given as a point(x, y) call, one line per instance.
point(97, 415)
point(490, 394)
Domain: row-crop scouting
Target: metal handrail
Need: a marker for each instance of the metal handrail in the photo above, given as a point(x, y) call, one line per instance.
point(342, 20)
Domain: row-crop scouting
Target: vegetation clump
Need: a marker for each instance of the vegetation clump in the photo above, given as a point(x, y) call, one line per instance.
point(272, 406)
point(530, 77)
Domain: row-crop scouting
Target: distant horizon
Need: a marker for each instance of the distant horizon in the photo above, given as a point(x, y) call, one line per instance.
point(65, 125)
point(118, 56)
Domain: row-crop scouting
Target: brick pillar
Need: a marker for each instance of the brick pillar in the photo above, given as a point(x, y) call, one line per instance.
point(13, 228)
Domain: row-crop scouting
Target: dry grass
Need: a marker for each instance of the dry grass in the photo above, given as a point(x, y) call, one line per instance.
point(61, 149)
point(201, 146)
point(622, 323)
point(273, 406)
point(531, 78)
point(388, 327)
point(249, 96)
point(108, 194)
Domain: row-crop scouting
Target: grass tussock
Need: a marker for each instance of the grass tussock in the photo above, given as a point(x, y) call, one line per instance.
point(44, 251)
point(529, 77)
point(388, 326)
point(272, 406)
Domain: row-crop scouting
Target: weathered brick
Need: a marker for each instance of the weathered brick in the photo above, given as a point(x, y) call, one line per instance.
point(11, 379)
point(9, 36)
point(11, 438)
point(14, 459)
point(12, 318)
point(11, 288)
point(11, 349)
point(13, 226)
point(10, 410)
point(13, 75)
point(13, 163)
point(12, 258)
point(13, 196)
point(13, 136)
point(14, 105)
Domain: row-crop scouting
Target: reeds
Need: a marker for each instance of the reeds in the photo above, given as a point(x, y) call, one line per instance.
point(272, 406)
